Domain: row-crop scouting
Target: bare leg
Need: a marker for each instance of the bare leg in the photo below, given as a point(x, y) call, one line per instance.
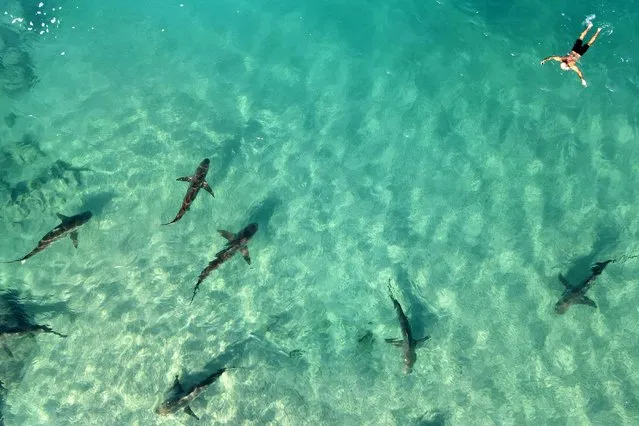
point(592, 40)
point(583, 34)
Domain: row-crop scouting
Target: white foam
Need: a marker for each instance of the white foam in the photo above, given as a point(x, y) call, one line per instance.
point(607, 29)
point(589, 19)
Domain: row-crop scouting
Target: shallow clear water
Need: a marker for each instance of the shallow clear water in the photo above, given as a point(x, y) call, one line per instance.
point(419, 142)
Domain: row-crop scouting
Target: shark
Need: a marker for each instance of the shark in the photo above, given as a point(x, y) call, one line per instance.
point(22, 330)
point(180, 398)
point(236, 243)
point(58, 171)
point(577, 294)
point(407, 342)
point(28, 329)
point(196, 182)
point(69, 226)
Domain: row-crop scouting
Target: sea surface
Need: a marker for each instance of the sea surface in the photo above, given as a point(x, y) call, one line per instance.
point(413, 144)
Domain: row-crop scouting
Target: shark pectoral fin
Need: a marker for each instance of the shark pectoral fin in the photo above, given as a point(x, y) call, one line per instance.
point(422, 340)
point(208, 188)
point(564, 281)
point(74, 238)
point(190, 412)
point(185, 179)
point(226, 234)
point(394, 342)
point(62, 217)
point(586, 301)
point(245, 254)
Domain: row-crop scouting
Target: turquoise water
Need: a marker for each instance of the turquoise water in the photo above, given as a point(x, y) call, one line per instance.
point(419, 142)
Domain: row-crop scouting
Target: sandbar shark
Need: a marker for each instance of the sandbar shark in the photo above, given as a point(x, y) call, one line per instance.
point(69, 226)
point(577, 294)
point(236, 242)
point(407, 343)
point(196, 182)
point(180, 398)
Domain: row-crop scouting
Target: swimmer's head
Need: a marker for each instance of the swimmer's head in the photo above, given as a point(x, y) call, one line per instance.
point(564, 66)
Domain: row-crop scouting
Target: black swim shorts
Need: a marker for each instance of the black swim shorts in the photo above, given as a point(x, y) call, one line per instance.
point(579, 47)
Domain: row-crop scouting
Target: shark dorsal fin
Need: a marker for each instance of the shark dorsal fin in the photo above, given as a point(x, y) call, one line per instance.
point(62, 217)
point(227, 234)
point(177, 386)
point(190, 412)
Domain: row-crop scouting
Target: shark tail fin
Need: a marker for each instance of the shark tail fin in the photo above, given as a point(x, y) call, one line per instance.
point(173, 221)
point(45, 328)
point(25, 257)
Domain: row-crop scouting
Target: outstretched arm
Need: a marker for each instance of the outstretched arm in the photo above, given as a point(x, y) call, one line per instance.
point(554, 58)
point(581, 76)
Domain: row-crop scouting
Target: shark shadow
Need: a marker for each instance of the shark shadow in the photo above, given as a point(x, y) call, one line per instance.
point(16, 330)
point(421, 318)
point(432, 419)
point(59, 171)
point(583, 272)
point(263, 212)
point(188, 386)
point(26, 307)
point(16, 63)
point(16, 321)
point(96, 203)
point(606, 241)
point(224, 156)
point(16, 156)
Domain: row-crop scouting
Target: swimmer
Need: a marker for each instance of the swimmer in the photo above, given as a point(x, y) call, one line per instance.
point(569, 62)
